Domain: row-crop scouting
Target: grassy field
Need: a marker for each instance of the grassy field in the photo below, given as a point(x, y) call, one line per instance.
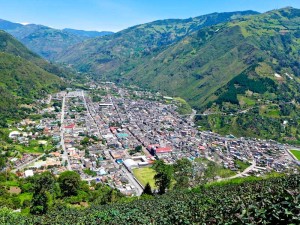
point(296, 153)
point(25, 196)
point(183, 106)
point(242, 165)
point(10, 183)
point(33, 147)
point(246, 101)
point(145, 175)
point(218, 169)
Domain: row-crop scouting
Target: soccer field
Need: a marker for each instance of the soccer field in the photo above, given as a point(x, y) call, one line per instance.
point(296, 153)
point(145, 175)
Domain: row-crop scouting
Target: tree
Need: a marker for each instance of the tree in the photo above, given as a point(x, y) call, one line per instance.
point(39, 203)
point(163, 176)
point(183, 171)
point(138, 148)
point(69, 183)
point(43, 183)
point(85, 141)
point(147, 190)
point(2, 162)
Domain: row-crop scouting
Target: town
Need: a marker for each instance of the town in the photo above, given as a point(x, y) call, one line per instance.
point(108, 134)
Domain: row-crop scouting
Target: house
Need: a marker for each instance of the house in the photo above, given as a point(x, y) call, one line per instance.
point(130, 164)
point(162, 150)
point(28, 173)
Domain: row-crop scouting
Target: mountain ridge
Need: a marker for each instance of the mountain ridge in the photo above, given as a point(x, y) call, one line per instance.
point(105, 54)
point(47, 41)
point(207, 67)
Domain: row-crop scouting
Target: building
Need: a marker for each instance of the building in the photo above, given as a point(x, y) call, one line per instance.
point(130, 164)
point(28, 173)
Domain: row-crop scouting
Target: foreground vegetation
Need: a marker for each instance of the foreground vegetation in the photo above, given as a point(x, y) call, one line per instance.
point(42, 192)
point(270, 201)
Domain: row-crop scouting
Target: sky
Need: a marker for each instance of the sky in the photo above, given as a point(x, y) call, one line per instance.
point(115, 15)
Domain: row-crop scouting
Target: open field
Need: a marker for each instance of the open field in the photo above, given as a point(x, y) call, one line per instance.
point(296, 153)
point(33, 147)
point(242, 165)
point(145, 175)
point(218, 169)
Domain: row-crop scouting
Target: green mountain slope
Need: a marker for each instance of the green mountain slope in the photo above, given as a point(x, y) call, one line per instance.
point(124, 50)
point(88, 34)
point(243, 73)
point(197, 66)
point(46, 41)
point(24, 77)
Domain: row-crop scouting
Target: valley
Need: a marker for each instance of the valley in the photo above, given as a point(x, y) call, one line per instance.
point(174, 121)
point(105, 133)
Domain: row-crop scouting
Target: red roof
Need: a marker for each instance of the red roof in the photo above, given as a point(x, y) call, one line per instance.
point(71, 126)
point(163, 150)
point(201, 147)
point(151, 146)
point(113, 129)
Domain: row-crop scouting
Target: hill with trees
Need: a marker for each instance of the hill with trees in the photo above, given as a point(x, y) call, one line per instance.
point(24, 77)
point(121, 52)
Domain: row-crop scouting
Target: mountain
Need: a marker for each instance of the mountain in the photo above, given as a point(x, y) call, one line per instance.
point(24, 77)
point(7, 25)
point(258, 89)
point(46, 41)
point(88, 34)
point(243, 73)
point(123, 50)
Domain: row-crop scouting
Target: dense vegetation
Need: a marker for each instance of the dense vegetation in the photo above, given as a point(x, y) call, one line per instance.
point(270, 201)
point(42, 192)
point(24, 77)
point(121, 52)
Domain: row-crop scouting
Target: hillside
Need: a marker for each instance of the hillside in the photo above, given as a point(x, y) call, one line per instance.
point(271, 201)
point(88, 34)
point(122, 51)
point(197, 66)
point(24, 77)
point(249, 65)
point(46, 41)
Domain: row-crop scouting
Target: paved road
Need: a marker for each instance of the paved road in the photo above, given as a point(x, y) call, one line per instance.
point(88, 109)
point(62, 130)
point(132, 180)
point(26, 164)
point(242, 173)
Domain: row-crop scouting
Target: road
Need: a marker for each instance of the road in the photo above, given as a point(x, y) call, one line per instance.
point(139, 188)
point(26, 164)
point(62, 130)
point(90, 114)
point(125, 171)
point(248, 169)
point(133, 181)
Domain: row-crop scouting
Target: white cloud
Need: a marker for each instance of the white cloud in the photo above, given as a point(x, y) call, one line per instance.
point(24, 23)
